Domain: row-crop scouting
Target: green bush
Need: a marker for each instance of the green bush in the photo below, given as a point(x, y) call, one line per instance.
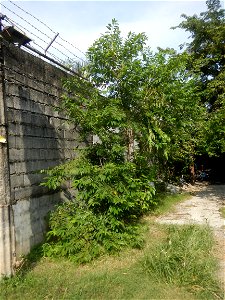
point(81, 235)
point(117, 189)
point(102, 219)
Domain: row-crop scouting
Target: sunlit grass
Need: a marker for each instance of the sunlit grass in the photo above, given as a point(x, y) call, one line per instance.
point(115, 277)
point(166, 202)
point(222, 211)
point(185, 258)
point(176, 263)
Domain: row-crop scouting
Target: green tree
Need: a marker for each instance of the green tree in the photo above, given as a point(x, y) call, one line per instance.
point(157, 96)
point(207, 58)
point(142, 109)
point(139, 113)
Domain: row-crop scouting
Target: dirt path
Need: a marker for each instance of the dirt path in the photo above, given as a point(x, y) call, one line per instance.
point(203, 208)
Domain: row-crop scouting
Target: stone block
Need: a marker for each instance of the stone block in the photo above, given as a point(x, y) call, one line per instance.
point(12, 169)
point(20, 142)
point(11, 141)
point(17, 180)
point(16, 155)
point(55, 122)
point(20, 167)
point(23, 193)
point(10, 102)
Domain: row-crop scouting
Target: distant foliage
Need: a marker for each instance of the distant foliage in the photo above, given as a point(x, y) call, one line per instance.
point(207, 60)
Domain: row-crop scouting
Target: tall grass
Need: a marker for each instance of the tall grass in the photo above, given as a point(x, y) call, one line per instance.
point(185, 258)
point(222, 211)
point(167, 202)
point(176, 262)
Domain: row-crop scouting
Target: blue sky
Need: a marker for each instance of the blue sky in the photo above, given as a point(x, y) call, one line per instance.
point(82, 22)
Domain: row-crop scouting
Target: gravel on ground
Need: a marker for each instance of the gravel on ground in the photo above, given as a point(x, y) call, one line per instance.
point(203, 208)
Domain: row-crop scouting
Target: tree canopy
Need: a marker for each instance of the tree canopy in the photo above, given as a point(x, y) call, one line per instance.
point(141, 114)
point(207, 59)
point(147, 109)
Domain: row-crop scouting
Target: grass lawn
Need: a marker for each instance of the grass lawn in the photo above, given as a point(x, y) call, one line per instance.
point(175, 263)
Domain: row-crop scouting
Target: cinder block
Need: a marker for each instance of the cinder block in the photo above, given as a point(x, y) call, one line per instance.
point(16, 102)
point(15, 129)
point(12, 169)
point(55, 122)
point(28, 142)
point(16, 155)
point(11, 89)
point(16, 181)
point(32, 154)
point(60, 133)
point(40, 143)
point(23, 193)
point(11, 141)
point(26, 117)
point(10, 101)
point(10, 115)
point(25, 104)
point(20, 167)
point(20, 142)
point(33, 179)
point(17, 117)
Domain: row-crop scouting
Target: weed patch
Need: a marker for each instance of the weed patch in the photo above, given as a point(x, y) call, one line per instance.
point(166, 202)
point(222, 211)
point(175, 263)
point(185, 258)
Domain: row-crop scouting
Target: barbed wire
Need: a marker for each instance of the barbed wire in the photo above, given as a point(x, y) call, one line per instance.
point(12, 22)
point(49, 29)
point(26, 21)
point(31, 15)
point(41, 32)
point(20, 26)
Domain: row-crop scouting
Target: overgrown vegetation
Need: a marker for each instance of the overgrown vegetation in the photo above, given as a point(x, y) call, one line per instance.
point(175, 263)
point(81, 235)
point(207, 59)
point(144, 116)
point(186, 259)
point(140, 118)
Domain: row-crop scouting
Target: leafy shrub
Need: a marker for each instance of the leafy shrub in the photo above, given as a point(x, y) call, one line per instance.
point(115, 189)
point(102, 219)
point(81, 235)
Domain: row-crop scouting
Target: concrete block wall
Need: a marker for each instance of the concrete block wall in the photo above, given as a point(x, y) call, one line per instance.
point(38, 136)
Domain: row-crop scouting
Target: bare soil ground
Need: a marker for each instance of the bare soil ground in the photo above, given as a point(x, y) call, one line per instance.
point(203, 208)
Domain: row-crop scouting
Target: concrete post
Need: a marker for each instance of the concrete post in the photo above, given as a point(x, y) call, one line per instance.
point(6, 224)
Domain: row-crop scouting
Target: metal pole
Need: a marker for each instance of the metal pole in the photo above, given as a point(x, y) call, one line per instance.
point(51, 42)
